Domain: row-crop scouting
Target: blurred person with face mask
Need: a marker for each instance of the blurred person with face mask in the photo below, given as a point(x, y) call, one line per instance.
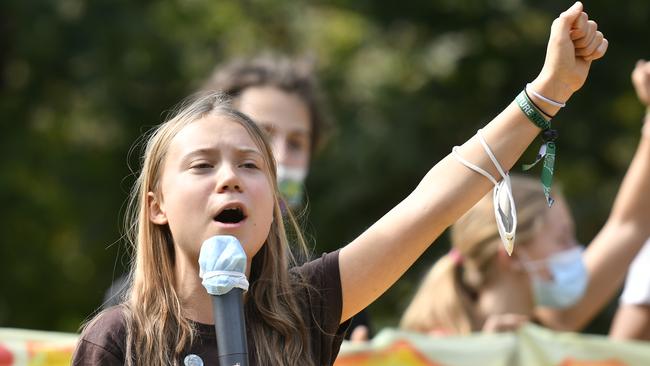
point(282, 96)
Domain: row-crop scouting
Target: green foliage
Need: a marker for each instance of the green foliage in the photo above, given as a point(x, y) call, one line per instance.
point(405, 81)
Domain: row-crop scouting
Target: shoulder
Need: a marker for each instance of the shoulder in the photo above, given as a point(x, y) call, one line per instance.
point(107, 327)
point(103, 340)
point(321, 272)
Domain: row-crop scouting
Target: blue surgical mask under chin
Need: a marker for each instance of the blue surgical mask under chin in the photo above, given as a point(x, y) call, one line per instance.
point(569, 279)
point(291, 184)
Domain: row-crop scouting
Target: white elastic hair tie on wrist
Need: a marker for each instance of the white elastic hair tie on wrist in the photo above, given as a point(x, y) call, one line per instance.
point(529, 89)
point(505, 212)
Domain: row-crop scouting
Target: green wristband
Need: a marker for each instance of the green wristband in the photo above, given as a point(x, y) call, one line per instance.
point(533, 114)
point(547, 151)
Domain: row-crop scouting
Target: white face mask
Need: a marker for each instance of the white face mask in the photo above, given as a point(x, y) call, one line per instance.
point(569, 278)
point(291, 184)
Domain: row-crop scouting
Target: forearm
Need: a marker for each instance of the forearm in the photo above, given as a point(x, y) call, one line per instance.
point(632, 201)
point(447, 191)
point(508, 136)
point(450, 188)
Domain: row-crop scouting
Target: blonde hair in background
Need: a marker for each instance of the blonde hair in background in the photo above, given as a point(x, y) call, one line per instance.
point(157, 330)
point(445, 301)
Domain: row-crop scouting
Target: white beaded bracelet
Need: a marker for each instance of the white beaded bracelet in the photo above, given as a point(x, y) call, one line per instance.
point(549, 101)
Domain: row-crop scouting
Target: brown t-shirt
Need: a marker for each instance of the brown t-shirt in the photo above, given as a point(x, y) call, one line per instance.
point(104, 342)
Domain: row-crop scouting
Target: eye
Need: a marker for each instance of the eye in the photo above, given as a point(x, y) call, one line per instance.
point(249, 165)
point(297, 144)
point(268, 131)
point(201, 166)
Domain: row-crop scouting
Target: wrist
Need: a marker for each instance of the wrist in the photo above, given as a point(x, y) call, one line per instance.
point(553, 89)
point(645, 129)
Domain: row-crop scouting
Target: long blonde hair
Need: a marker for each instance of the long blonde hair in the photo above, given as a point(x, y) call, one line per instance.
point(157, 330)
point(447, 296)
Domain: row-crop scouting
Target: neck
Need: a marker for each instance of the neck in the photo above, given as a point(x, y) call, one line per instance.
point(509, 292)
point(196, 302)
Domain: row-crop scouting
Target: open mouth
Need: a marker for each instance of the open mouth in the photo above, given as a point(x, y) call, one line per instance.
point(231, 215)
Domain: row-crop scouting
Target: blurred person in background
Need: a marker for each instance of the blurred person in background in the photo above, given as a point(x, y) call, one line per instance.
point(282, 96)
point(548, 279)
point(632, 319)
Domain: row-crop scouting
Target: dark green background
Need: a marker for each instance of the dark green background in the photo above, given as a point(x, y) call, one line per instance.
point(81, 80)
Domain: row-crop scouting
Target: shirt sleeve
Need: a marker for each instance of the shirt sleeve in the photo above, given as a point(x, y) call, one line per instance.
point(325, 302)
point(103, 340)
point(637, 282)
point(88, 354)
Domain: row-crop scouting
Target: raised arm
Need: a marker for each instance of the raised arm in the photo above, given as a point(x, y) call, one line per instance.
point(376, 259)
point(610, 253)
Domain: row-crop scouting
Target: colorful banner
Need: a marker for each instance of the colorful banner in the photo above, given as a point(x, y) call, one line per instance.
point(529, 346)
point(20, 347)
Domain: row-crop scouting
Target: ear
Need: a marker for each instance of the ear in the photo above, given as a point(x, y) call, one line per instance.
point(156, 210)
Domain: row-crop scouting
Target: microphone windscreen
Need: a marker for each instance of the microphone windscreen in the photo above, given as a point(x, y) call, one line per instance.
point(222, 265)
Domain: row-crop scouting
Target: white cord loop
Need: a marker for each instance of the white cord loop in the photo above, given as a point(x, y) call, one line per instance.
point(552, 102)
point(505, 212)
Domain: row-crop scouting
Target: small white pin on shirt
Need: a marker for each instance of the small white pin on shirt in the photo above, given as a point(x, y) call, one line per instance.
point(192, 360)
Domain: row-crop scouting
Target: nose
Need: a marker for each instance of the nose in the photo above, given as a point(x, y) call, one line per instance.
point(228, 180)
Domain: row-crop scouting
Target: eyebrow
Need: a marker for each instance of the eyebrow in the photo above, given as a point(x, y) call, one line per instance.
point(215, 151)
point(273, 125)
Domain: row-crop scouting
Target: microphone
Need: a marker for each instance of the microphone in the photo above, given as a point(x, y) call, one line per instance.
point(222, 263)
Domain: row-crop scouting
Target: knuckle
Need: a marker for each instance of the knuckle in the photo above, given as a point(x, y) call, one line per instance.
point(593, 25)
point(578, 34)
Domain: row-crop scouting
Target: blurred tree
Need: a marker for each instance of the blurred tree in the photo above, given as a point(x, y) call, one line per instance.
point(81, 80)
